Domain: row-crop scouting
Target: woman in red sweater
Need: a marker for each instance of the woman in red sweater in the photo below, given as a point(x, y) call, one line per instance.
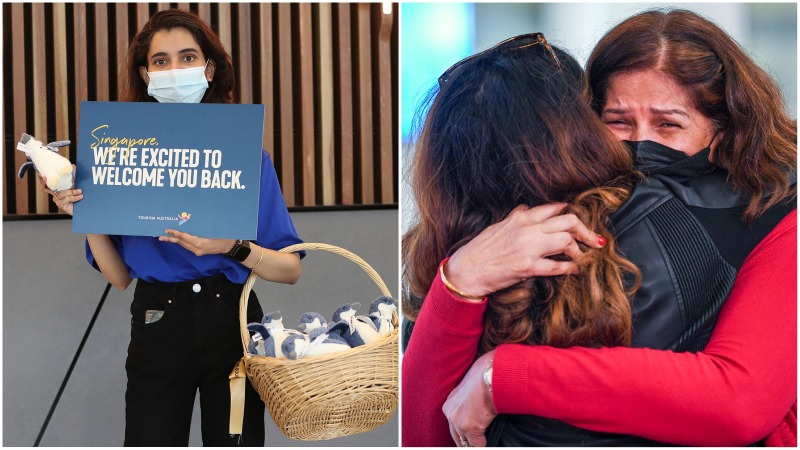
point(730, 390)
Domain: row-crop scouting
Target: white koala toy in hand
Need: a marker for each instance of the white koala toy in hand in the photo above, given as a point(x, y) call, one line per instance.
point(46, 160)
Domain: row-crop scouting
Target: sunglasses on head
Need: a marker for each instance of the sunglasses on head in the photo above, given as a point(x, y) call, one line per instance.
point(514, 43)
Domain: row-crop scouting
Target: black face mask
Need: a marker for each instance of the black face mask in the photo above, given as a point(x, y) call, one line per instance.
point(650, 156)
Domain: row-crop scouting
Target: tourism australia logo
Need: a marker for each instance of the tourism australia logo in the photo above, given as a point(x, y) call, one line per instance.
point(183, 218)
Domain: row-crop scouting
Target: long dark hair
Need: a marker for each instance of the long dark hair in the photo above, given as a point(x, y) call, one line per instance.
point(510, 128)
point(220, 90)
point(759, 139)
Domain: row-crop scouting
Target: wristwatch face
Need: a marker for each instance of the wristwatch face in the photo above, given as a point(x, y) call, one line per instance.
point(241, 253)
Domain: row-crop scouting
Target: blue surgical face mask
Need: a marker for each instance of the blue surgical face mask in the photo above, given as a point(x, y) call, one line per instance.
point(178, 85)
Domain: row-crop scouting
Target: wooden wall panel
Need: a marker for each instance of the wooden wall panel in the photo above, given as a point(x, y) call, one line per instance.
point(245, 54)
point(365, 144)
point(345, 109)
point(6, 162)
point(121, 44)
point(61, 76)
point(384, 80)
point(265, 79)
point(306, 79)
point(101, 51)
point(81, 63)
point(142, 15)
point(204, 11)
point(40, 66)
point(20, 105)
point(327, 163)
point(286, 149)
point(224, 29)
point(323, 72)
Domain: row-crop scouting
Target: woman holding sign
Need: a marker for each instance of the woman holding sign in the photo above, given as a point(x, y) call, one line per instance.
point(184, 325)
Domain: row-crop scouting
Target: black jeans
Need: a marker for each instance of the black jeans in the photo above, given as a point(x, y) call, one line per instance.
point(195, 345)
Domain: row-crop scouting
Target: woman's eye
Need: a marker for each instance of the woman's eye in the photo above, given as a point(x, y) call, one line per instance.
point(189, 58)
point(160, 62)
point(616, 123)
point(670, 125)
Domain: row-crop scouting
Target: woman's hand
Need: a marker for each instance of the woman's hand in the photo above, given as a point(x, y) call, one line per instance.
point(517, 248)
point(197, 245)
point(469, 408)
point(268, 264)
point(63, 199)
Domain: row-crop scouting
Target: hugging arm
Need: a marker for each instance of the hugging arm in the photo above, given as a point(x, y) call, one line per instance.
point(441, 350)
point(735, 392)
point(446, 335)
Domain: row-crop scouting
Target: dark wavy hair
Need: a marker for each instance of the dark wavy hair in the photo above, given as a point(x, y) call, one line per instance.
point(758, 148)
point(508, 128)
point(220, 90)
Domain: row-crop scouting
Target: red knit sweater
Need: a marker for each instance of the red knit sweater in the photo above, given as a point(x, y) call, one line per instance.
point(734, 392)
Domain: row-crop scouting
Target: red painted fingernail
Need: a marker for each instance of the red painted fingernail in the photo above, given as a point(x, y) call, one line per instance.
point(601, 240)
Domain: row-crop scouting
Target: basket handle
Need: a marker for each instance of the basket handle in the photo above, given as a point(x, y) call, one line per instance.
point(251, 279)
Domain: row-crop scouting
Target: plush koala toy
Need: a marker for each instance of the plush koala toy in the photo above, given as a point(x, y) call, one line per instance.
point(46, 160)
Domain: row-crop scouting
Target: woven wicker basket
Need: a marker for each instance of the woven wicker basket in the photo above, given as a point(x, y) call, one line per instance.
point(328, 396)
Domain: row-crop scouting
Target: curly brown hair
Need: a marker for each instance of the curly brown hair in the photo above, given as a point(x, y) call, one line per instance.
point(589, 309)
point(511, 128)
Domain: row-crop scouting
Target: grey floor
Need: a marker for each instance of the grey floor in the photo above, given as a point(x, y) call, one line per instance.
point(50, 294)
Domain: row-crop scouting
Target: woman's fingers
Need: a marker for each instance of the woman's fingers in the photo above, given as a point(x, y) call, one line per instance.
point(520, 247)
point(65, 199)
point(552, 221)
point(43, 183)
point(185, 240)
point(68, 196)
point(571, 224)
point(550, 268)
point(475, 439)
point(571, 248)
point(541, 213)
point(468, 408)
point(197, 245)
point(454, 434)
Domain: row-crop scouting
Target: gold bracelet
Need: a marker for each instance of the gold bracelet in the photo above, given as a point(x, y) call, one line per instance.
point(259, 259)
point(454, 289)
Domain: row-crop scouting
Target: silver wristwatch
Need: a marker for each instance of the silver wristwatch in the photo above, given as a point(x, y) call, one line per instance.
point(487, 375)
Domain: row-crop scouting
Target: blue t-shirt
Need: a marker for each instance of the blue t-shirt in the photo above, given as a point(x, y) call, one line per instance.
point(149, 259)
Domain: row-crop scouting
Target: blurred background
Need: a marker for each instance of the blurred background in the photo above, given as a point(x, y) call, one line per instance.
point(434, 36)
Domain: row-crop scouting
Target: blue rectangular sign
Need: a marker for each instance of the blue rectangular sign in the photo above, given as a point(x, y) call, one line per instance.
point(146, 167)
